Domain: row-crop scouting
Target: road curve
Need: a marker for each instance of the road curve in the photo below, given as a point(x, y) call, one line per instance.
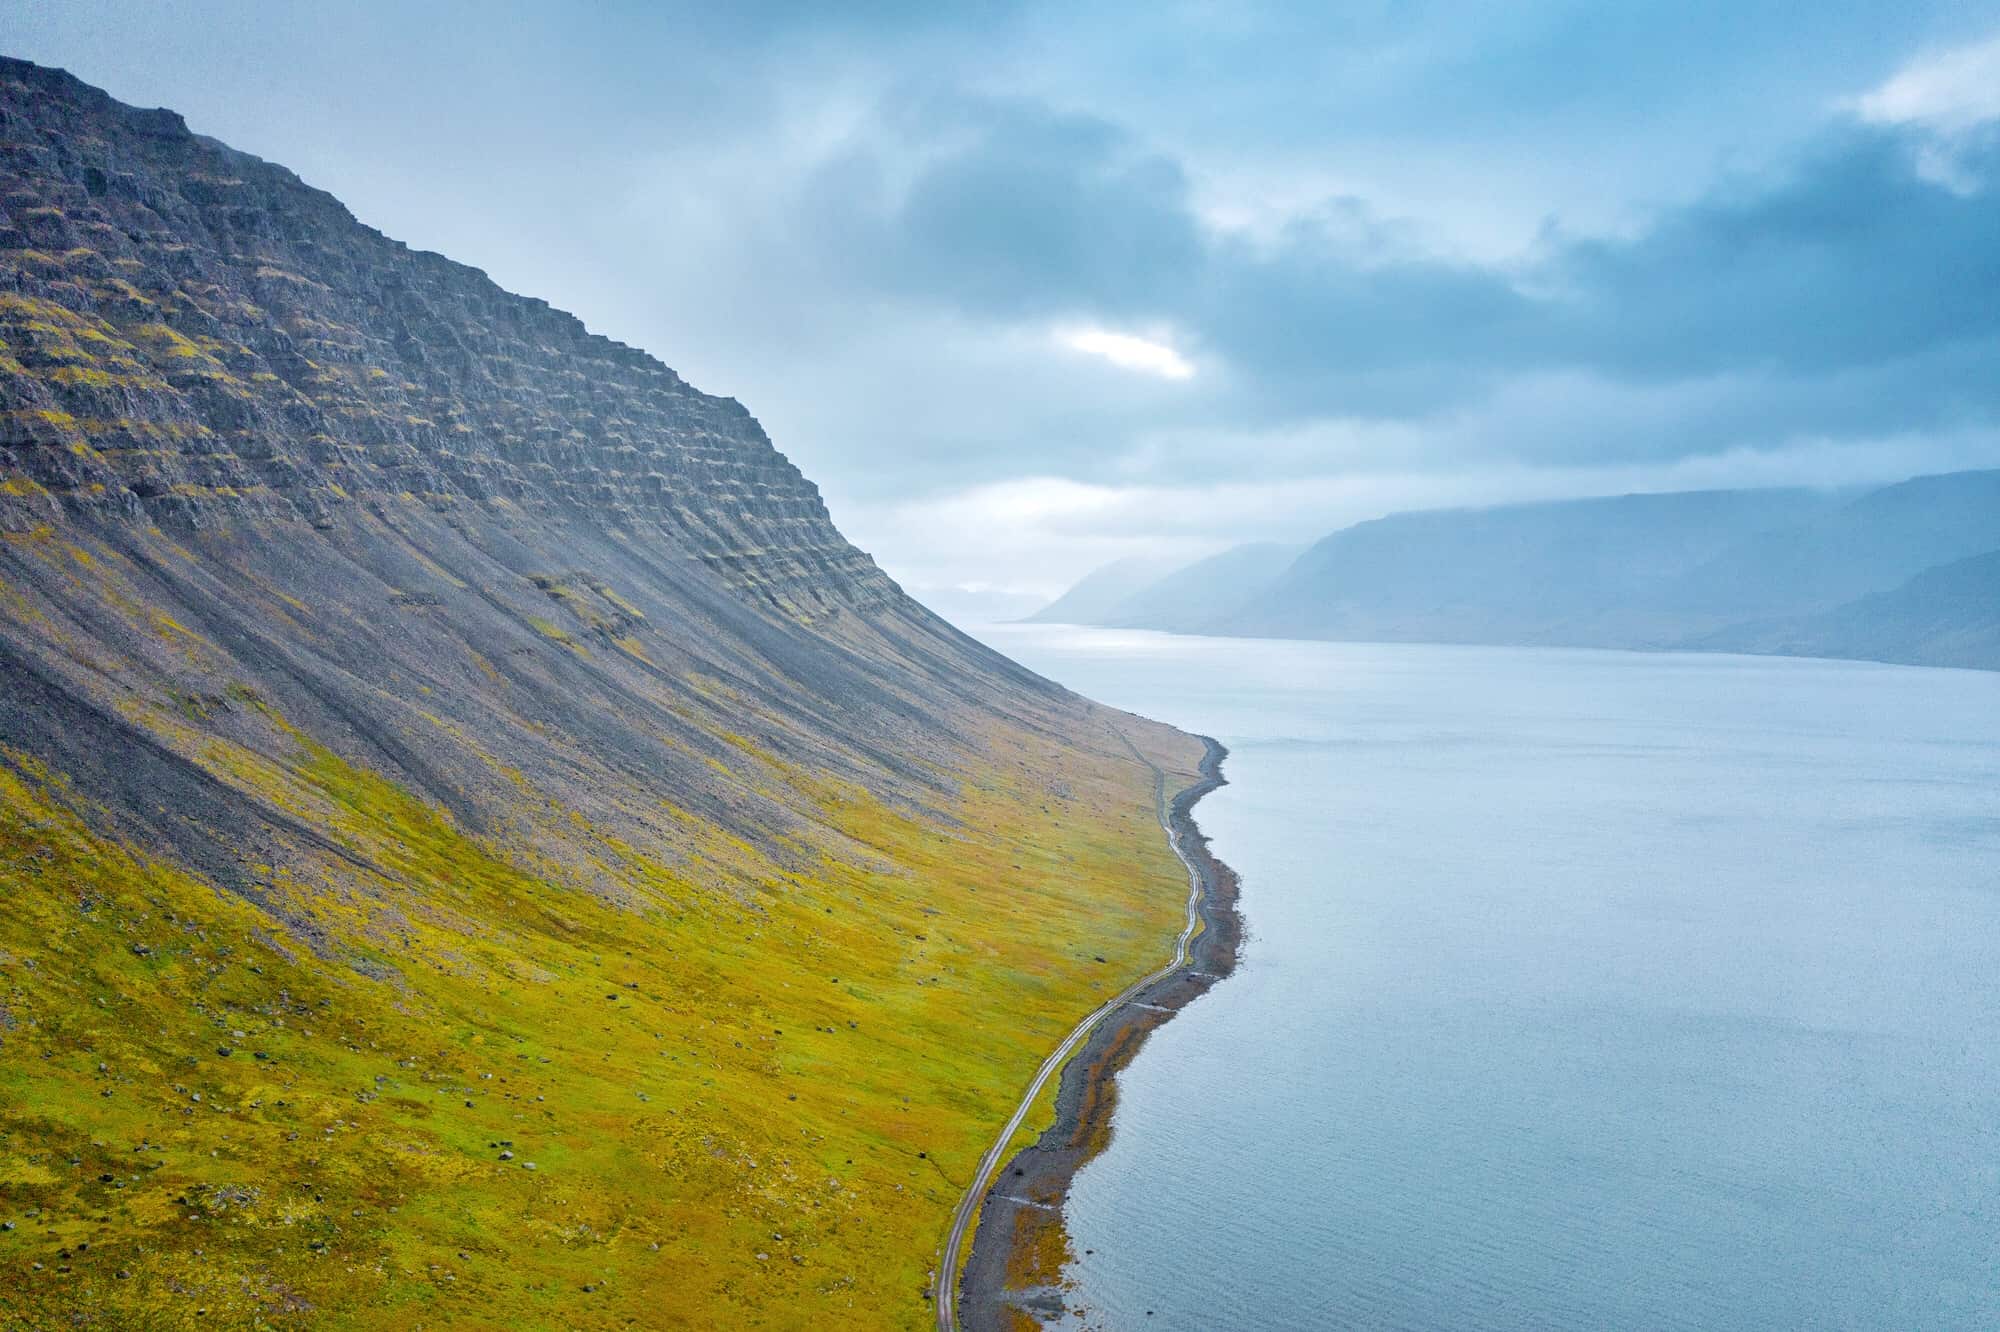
point(961, 1219)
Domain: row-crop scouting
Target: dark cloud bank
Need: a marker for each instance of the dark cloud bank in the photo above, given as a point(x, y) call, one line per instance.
point(1858, 288)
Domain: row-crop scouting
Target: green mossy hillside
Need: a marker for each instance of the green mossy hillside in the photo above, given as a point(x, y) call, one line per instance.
point(478, 847)
point(457, 1094)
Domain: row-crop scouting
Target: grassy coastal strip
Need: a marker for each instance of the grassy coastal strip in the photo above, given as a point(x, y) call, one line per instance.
point(1012, 1277)
point(462, 1094)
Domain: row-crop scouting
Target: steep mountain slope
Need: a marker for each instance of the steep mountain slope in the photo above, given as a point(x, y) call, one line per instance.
point(479, 848)
point(1947, 616)
point(1101, 591)
point(1187, 599)
point(1576, 571)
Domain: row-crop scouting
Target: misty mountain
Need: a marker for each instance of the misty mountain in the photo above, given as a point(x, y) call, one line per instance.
point(1882, 573)
point(1102, 591)
point(1526, 573)
point(1946, 616)
point(1873, 543)
point(1198, 594)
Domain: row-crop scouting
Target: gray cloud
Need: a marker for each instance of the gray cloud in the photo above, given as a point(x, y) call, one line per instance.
point(1021, 212)
point(1850, 257)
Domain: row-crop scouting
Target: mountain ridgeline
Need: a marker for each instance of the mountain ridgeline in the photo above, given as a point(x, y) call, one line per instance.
point(1103, 592)
point(480, 848)
point(1899, 573)
point(1198, 594)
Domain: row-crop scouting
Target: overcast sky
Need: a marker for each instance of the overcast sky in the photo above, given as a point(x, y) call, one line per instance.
point(1030, 287)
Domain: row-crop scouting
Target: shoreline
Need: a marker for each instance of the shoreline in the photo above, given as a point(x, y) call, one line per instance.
point(1012, 1276)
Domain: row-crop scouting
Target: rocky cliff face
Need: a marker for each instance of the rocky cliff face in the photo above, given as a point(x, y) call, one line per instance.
point(363, 478)
point(194, 336)
point(435, 740)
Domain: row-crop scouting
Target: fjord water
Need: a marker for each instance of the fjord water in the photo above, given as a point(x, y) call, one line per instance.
point(1583, 990)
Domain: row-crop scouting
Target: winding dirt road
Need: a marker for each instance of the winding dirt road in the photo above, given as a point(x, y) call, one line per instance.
point(968, 1204)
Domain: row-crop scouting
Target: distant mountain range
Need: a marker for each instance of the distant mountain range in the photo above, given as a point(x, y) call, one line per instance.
point(1102, 591)
point(1908, 572)
point(1201, 593)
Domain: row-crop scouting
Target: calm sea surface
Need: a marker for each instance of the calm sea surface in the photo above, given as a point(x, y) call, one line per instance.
point(1584, 990)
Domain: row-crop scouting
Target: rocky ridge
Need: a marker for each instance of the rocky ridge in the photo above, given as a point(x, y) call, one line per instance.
point(195, 336)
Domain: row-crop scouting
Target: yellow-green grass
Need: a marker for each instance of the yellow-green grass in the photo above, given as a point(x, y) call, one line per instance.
point(750, 1101)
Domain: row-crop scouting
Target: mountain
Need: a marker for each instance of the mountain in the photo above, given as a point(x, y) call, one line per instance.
point(1873, 543)
point(1194, 596)
point(1576, 571)
point(480, 848)
point(1888, 573)
point(1100, 592)
point(1945, 616)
